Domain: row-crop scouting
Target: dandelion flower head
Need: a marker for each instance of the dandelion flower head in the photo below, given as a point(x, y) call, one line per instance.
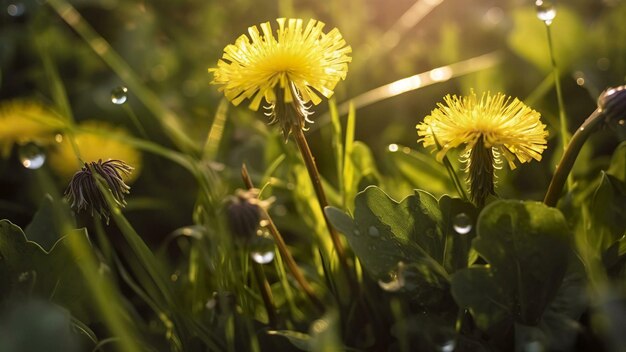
point(104, 143)
point(506, 126)
point(300, 59)
point(23, 121)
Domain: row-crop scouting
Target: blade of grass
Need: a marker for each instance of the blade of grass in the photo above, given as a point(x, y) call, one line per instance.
point(216, 131)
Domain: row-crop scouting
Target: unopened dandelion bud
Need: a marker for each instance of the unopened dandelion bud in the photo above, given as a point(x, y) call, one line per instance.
point(612, 103)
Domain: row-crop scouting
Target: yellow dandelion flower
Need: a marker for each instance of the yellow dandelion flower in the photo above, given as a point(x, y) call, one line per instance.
point(299, 64)
point(23, 121)
point(94, 147)
point(489, 127)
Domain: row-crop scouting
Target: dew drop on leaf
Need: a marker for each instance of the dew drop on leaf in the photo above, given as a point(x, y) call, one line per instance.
point(31, 156)
point(119, 95)
point(373, 231)
point(394, 281)
point(462, 224)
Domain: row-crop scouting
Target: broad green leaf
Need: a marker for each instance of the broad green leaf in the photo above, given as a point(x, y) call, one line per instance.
point(417, 232)
point(527, 245)
point(529, 37)
point(26, 268)
point(45, 226)
point(476, 289)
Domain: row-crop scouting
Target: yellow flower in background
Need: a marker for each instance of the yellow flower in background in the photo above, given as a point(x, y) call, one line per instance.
point(104, 144)
point(23, 121)
point(488, 127)
point(301, 59)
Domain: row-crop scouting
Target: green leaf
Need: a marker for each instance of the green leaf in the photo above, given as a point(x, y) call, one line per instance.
point(476, 289)
point(45, 226)
point(529, 37)
point(527, 245)
point(26, 268)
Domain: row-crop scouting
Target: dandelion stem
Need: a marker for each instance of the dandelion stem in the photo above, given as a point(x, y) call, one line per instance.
point(283, 250)
point(309, 162)
point(569, 156)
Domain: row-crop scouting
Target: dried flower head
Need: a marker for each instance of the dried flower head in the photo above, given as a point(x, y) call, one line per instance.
point(83, 192)
point(23, 121)
point(296, 66)
point(489, 128)
point(244, 211)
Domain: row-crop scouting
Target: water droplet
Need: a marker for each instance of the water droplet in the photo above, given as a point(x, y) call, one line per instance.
point(356, 232)
point(58, 138)
point(119, 95)
point(174, 276)
point(31, 156)
point(545, 11)
point(393, 147)
point(462, 224)
point(621, 122)
point(582, 129)
point(262, 249)
point(394, 281)
point(373, 231)
point(16, 9)
point(447, 346)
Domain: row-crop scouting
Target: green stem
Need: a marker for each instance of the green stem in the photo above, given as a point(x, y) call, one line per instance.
point(569, 156)
point(316, 180)
point(283, 250)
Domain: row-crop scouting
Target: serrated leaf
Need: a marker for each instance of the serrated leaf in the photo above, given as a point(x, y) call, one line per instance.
point(26, 268)
point(44, 227)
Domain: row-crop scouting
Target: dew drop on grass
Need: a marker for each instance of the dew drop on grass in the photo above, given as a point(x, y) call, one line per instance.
point(119, 95)
point(31, 156)
point(545, 11)
point(393, 147)
point(373, 231)
point(262, 249)
point(394, 281)
point(462, 224)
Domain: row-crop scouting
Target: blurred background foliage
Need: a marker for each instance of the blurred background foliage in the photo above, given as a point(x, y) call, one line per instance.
point(169, 44)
